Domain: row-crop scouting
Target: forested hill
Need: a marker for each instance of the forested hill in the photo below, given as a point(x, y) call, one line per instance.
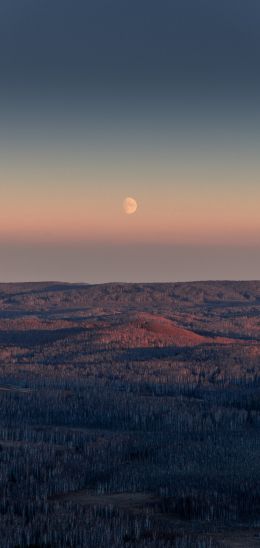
point(130, 415)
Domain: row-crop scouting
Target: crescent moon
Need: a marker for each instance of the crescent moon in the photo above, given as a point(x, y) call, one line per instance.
point(130, 205)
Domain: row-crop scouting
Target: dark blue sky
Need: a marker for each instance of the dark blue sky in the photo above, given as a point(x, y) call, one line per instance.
point(188, 45)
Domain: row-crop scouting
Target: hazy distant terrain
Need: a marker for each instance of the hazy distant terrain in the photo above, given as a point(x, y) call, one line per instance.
point(130, 414)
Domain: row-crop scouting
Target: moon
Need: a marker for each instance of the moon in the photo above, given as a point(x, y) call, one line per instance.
point(130, 205)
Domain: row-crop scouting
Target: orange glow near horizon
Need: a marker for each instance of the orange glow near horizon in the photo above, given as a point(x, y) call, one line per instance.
point(160, 223)
point(176, 204)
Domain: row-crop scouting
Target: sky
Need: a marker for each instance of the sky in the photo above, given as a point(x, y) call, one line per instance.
point(104, 99)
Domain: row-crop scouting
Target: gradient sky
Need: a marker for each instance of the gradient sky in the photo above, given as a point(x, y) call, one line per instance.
point(103, 99)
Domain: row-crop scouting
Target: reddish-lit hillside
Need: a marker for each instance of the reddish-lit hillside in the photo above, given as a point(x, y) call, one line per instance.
point(145, 329)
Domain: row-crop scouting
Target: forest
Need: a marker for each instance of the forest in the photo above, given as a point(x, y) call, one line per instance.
point(130, 415)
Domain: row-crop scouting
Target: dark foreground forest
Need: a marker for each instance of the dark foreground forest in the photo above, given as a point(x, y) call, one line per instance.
point(130, 415)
